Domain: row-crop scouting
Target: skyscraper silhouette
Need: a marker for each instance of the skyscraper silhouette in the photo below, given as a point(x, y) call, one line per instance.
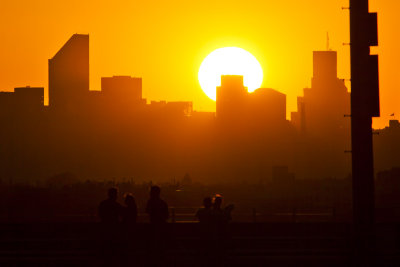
point(236, 106)
point(322, 108)
point(267, 109)
point(69, 75)
point(321, 120)
point(231, 99)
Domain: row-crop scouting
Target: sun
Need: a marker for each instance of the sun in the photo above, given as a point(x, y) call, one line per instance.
point(229, 61)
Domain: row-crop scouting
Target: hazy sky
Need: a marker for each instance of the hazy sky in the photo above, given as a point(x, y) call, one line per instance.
point(165, 42)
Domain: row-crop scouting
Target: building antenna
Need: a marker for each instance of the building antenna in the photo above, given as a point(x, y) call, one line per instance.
point(327, 42)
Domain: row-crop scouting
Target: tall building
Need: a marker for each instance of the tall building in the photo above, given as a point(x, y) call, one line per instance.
point(325, 65)
point(29, 99)
point(386, 143)
point(253, 134)
point(267, 108)
point(22, 103)
point(322, 109)
point(7, 105)
point(321, 119)
point(122, 91)
point(69, 75)
point(231, 99)
point(236, 105)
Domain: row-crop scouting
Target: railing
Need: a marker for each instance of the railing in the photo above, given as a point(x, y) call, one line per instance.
point(187, 215)
point(325, 214)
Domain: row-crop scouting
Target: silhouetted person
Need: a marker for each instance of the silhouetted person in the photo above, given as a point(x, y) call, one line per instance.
point(219, 220)
point(217, 211)
point(221, 216)
point(110, 209)
point(156, 207)
point(204, 214)
point(218, 216)
point(158, 213)
point(129, 214)
point(206, 231)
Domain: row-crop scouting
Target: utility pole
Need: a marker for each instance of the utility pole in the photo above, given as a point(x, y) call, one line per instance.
point(364, 106)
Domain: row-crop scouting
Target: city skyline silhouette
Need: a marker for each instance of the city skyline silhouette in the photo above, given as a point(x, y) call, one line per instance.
point(139, 168)
point(126, 45)
point(105, 127)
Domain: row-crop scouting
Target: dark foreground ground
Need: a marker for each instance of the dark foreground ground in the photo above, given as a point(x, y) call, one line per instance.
point(248, 244)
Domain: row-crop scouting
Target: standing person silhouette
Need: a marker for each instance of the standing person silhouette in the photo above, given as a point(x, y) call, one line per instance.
point(220, 219)
point(204, 214)
point(156, 207)
point(110, 212)
point(221, 216)
point(129, 214)
point(109, 209)
point(206, 231)
point(158, 213)
point(129, 217)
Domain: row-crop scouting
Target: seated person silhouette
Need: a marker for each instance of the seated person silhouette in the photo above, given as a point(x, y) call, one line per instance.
point(129, 214)
point(204, 214)
point(110, 209)
point(156, 207)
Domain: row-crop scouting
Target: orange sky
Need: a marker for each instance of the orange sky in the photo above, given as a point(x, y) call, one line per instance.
point(165, 41)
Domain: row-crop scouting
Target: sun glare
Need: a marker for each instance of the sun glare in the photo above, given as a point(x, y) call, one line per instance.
point(229, 61)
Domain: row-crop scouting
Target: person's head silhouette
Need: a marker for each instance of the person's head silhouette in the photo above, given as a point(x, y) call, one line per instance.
point(207, 202)
point(113, 193)
point(129, 200)
point(155, 192)
point(217, 201)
